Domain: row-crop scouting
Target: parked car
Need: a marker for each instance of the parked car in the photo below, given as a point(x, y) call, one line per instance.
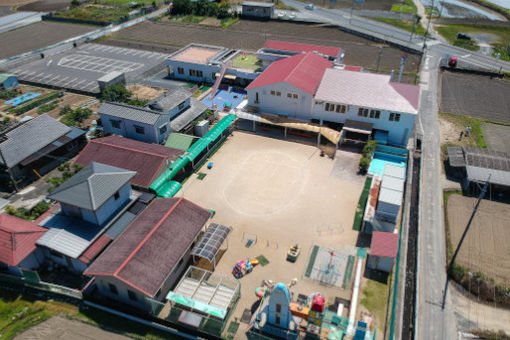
point(310, 7)
point(463, 36)
point(292, 16)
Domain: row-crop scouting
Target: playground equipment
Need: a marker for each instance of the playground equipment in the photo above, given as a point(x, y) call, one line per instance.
point(242, 268)
point(293, 253)
point(218, 81)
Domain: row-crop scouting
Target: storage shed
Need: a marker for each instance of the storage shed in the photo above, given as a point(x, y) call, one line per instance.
point(383, 251)
point(390, 194)
point(258, 9)
point(8, 81)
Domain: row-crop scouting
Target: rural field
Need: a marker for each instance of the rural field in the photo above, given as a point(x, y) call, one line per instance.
point(475, 95)
point(38, 35)
point(251, 35)
point(485, 248)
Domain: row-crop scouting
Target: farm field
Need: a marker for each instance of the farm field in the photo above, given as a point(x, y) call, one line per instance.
point(38, 35)
point(45, 5)
point(476, 96)
point(485, 248)
point(251, 35)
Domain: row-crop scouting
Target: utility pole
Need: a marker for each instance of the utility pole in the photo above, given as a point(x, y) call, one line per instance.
point(452, 262)
point(379, 59)
point(427, 30)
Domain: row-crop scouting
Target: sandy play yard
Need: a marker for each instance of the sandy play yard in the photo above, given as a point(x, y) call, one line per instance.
point(279, 193)
point(485, 248)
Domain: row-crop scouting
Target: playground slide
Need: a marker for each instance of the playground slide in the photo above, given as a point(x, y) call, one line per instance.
point(218, 81)
point(163, 185)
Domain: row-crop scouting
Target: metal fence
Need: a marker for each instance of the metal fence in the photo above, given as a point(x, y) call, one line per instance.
point(41, 285)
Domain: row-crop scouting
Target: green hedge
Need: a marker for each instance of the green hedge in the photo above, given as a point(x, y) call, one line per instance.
point(18, 110)
point(360, 210)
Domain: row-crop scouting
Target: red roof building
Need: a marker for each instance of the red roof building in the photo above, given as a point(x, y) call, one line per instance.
point(301, 48)
point(303, 71)
point(17, 239)
point(384, 244)
point(148, 160)
point(150, 253)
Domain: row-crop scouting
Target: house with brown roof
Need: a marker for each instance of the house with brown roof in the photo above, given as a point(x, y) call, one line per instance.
point(148, 258)
point(18, 248)
point(383, 251)
point(147, 160)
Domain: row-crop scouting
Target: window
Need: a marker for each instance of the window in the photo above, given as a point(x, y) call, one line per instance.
point(256, 97)
point(115, 123)
point(289, 95)
point(132, 295)
point(116, 195)
point(375, 114)
point(327, 106)
point(395, 117)
point(278, 308)
point(294, 96)
point(162, 130)
point(113, 288)
point(180, 70)
point(273, 92)
point(362, 112)
point(195, 73)
point(340, 109)
point(277, 319)
point(181, 106)
point(278, 94)
point(139, 129)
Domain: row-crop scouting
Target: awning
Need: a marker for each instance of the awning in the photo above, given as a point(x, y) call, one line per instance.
point(211, 241)
point(226, 76)
point(358, 127)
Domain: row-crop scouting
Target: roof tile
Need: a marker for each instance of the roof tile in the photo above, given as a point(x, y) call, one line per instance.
point(384, 244)
point(17, 239)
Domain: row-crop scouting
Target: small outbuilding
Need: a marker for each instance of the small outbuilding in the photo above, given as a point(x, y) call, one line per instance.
point(263, 10)
point(8, 81)
point(383, 251)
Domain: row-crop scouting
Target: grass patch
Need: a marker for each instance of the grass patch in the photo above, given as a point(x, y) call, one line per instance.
point(375, 299)
point(249, 61)
point(502, 50)
point(449, 32)
point(96, 13)
point(360, 210)
point(403, 24)
point(467, 44)
point(47, 107)
point(281, 5)
point(475, 138)
point(227, 22)
point(262, 260)
point(311, 261)
point(407, 7)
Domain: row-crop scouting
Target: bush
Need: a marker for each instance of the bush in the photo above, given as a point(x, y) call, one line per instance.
point(47, 107)
point(8, 94)
point(115, 93)
point(67, 171)
point(137, 102)
point(364, 163)
point(369, 148)
point(39, 209)
point(74, 117)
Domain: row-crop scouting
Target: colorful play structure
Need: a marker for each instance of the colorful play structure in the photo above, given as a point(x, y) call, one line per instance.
point(23, 98)
point(241, 268)
point(164, 185)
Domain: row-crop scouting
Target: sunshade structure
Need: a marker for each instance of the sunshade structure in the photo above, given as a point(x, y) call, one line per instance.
point(205, 292)
point(211, 242)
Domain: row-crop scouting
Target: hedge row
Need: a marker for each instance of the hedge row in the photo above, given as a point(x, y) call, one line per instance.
point(18, 110)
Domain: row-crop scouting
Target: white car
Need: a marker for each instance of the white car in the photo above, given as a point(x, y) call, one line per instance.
point(292, 16)
point(281, 15)
point(311, 7)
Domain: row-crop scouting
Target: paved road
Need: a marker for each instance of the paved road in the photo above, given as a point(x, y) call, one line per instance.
point(380, 30)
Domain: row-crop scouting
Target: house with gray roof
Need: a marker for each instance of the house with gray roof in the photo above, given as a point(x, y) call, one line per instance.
point(173, 111)
point(91, 202)
point(36, 147)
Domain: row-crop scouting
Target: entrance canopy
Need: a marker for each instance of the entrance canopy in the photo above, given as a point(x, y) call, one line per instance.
point(211, 242)
point(358, 127)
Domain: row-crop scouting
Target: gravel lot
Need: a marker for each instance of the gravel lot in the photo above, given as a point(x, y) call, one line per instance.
point(476, 96)
point(251, 35)
point(38, 35)
point(485, 248)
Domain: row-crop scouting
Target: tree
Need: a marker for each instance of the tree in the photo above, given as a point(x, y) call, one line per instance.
point(224, 10)
point(75, 3)
point(181, 7)
point(115, 93)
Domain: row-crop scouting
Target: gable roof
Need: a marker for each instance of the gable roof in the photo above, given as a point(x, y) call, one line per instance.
point(30, 137)
point(170, 99)
point(148, 160)
point(384, 244)
point(303, 71)
point(151, 246)
point(299, 47)
point(368, 90)
point(17, 239)
point(130, 112)
point(92, 186)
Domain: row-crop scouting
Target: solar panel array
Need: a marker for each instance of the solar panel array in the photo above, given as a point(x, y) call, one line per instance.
point(211, 241)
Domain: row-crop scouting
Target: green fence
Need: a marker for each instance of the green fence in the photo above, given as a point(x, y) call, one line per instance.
point(360, 210)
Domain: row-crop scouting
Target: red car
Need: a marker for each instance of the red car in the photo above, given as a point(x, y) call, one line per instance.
point(452, 61)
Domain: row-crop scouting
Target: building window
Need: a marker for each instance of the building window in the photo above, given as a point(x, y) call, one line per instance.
point(139, 129)
point(132, 295)
point(278, 94)
point(115, 123)
point(375, 114)
point(181, 106)
point(180, 70)
point(116, 195)
point(113, 288)
point(273, 92)
point(295, 96)
point(395, 117)
point(289, 95)
point(256, 97)
point(362, 112)
point(195, 73)
point(162, 130)
point(277, 319)
point(340, 108)
point(278, 308)
point(328, 106)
